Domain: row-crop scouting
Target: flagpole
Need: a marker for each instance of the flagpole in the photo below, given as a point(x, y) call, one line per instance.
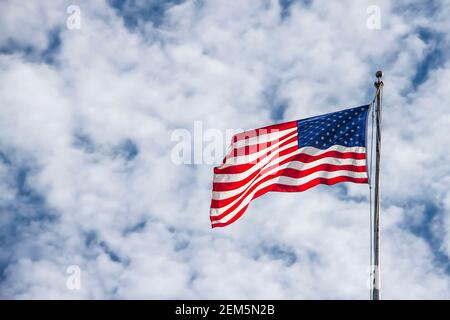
point(375, 281)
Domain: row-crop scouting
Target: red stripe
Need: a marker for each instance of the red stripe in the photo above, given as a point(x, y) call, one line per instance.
point(265, 130)
point(251, 149)
point(215, 204)
point(285, 188)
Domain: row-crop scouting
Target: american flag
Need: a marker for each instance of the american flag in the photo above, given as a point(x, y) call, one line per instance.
point(289, 157)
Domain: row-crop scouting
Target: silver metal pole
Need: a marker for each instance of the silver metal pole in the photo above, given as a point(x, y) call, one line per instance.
point(375, 285)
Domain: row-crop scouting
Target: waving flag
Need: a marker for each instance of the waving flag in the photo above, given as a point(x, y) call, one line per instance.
point(289, 157)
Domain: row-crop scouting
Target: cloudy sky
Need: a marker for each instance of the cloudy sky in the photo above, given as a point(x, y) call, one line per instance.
point(87, 118)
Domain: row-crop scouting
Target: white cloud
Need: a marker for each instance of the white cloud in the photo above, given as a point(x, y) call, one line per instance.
point(139, 227)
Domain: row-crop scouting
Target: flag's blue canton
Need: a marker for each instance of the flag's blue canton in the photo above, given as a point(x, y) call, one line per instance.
point(346, 128)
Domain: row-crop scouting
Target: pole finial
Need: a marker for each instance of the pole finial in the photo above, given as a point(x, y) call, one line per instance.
point(379, 74)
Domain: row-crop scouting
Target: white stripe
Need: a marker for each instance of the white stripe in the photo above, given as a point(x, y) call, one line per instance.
point(285, 181)
point(263, 138)
point(251, 158)
point(316, 151)
point(230, 177)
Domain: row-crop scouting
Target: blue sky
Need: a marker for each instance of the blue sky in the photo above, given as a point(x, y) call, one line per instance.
point(86, 176)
